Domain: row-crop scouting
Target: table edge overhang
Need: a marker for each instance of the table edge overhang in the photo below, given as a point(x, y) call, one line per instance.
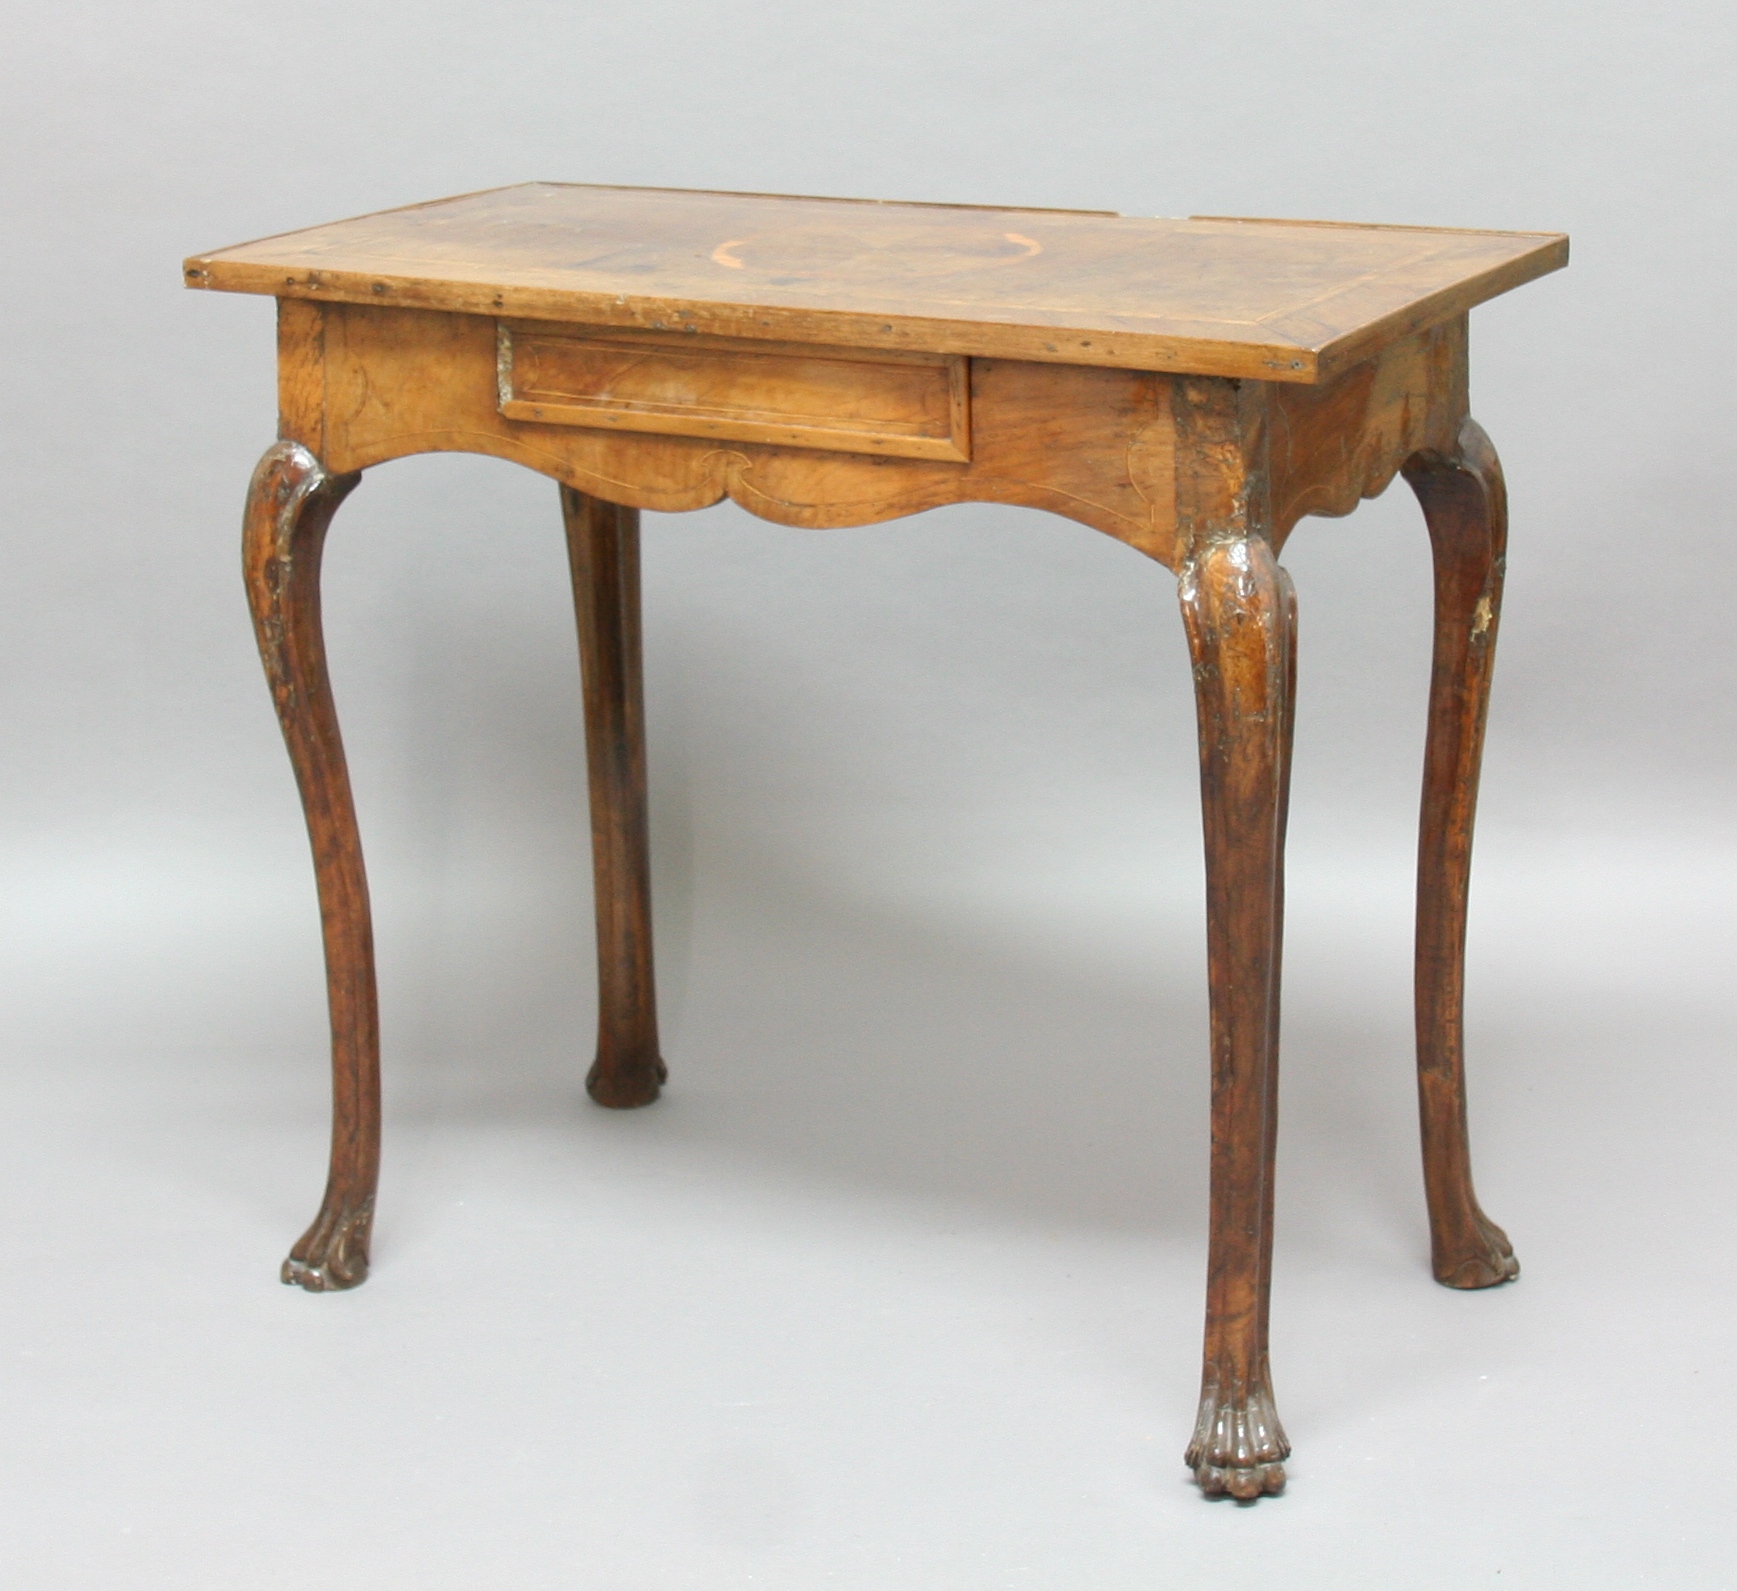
point(1267, 352)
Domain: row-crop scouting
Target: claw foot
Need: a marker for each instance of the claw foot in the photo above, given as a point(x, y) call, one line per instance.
point(1485, 1261)
point(624, 1085)
point(1239, 1447)
point(333, 1254)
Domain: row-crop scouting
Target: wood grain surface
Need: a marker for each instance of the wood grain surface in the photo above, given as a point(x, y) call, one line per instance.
point(1192, 388)
point(603, 558)
point(1091, 444)
point(289, 508)
point(1239, 610)
point(1270, 300)
point(727, 389)
point(1465, 504)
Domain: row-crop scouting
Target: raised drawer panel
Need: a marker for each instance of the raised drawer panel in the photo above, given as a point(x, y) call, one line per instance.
point(913, 406)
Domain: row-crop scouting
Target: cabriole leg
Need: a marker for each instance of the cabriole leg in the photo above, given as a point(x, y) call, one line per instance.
point(1466, 507)
point(603, 551)
point(1240, 613)
point(289, 507)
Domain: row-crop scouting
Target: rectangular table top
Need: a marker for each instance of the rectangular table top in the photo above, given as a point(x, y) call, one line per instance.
point(1269, 300)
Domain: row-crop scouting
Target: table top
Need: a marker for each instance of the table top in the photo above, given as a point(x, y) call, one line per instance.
point(1271, 300)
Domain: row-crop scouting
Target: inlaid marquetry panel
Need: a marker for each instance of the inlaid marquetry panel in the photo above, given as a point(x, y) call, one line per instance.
point(1268, 300)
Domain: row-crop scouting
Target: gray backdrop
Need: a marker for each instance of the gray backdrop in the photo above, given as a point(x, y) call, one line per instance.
point(901, 1283)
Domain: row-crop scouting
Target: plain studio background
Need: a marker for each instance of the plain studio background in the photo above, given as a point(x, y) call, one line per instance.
point(901, 1283)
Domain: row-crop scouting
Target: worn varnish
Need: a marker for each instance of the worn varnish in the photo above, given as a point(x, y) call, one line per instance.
point(1239, 611)
point(1465, 504)
point(289, 507)
point(603, 555)
point(731, 389)
point(1269, 300)
point(1088, 443)
point(1192, 388)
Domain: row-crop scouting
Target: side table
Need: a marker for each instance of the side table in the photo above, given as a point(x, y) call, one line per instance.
point(1190, 387)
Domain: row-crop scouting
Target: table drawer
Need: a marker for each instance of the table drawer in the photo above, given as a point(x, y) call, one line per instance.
point(914, 406)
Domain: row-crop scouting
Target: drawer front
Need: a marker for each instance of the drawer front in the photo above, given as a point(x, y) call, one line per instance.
point(914, 406)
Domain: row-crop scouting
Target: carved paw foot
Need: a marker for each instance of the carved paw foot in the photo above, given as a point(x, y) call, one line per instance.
point(625, 1084)
point(1239, 1447)
point(333, 1253)
point(1485, 1259)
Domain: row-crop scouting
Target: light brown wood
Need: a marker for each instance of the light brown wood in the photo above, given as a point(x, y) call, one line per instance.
point(301, 374)
point(1273, 301)
point(913, 406)
point(1093, 445)
point(1333, 445)
point(1193, 388)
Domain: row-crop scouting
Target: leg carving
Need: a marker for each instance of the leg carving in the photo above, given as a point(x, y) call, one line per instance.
point(603, 551)
point(1240, 613)
point(1466, 507)
point(289, 506)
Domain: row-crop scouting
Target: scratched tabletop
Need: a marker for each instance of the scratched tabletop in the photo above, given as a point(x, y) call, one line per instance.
point(1272, 300)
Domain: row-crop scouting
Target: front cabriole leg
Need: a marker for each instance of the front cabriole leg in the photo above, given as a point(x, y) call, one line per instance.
point(289, 507)
point(1239, 611)
point(1465, 505)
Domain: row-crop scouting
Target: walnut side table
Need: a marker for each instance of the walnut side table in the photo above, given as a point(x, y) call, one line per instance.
point(1192, 388)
